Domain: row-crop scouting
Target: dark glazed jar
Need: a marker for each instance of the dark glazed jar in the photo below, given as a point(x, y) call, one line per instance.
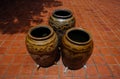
point(61, 20)
point(41, 43)
point(77, 46)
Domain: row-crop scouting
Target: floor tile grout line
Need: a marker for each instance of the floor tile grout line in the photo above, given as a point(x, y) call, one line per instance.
point(10, 62)
point(84, 68)
point(86, 74)
point(32, 73)
point(3, 42)
point(21, 64)
point(106, 64)
point(114, 58)
point(113, 32)
point(100, 11)
point(110, 12)
point(35, 69)
point(93, 60)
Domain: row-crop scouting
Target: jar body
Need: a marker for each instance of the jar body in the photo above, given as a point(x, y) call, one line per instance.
point(75, 56)
point(60, 24)
point(60, 21)
point(43, 51)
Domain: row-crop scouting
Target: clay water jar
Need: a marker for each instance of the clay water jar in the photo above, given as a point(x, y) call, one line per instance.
point(77, 47)
point(41, 42)
point(61, 20)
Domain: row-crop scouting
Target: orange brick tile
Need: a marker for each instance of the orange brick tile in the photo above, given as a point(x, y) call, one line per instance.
point(103, 70)
point(21, 37)
point(100, 43)
point(13, 70)
point(24, 77)
point(28, 60)
point(117, 59)
point(18, 44)
point(6, 43)
point(52, 71)
point(91, 71)
point(116, 43)
point(22, 50)
point(37, 77)
point(113, 43)
point(64, 77)
point(7, 59)
point(105, 51)
point(1, 56)
point(52, 77)
point(27, 70)
point(92, 77)
point(79, 73)
point(18, 59)
point(3, 69)
point(116, 77)
point(12, 51)
point(3, 37)
point(105, 37)
point(96, 51)
point(10, 77)
point(98, 60)
point(11, 37)
point(3, 50)
point(67, 74)
point(106, 77)
point(115, 70)
point(1, 42)
point(90, 61)
point(79, 77)
point(115, 51)
point(97, 37)
point(40, 72)
point(113, 36)
point(110, 60)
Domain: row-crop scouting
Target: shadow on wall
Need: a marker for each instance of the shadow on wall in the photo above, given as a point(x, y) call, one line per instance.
point(16, 16)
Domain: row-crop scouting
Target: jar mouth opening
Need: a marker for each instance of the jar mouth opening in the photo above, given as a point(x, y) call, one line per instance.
point(40, 32)
point(62, 13)
point(78, 36)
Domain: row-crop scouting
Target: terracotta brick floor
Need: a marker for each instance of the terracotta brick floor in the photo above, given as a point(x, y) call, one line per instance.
point(100, 17)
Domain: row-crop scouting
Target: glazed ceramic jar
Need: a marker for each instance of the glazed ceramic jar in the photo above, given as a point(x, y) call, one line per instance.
point(61, 20)
point(77, 46)
point(41, 43)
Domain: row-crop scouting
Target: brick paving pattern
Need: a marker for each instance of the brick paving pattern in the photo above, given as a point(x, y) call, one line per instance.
point(100, 17)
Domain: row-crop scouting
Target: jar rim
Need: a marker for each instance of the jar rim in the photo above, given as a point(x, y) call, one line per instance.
point(41, 26)
point(79, 29)
point(56, 13)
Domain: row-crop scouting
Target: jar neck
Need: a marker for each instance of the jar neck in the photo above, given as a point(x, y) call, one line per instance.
point(78, 36)
point(40, 32)
point(62, 14)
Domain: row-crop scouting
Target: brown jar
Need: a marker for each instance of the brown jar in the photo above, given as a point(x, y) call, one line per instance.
point(41, 43)
point(61, 20)
point(77, 46)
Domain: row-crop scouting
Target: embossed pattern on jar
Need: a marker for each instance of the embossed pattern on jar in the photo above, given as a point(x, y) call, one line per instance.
point(61, 20)
point(77, 46)
point(41, 43)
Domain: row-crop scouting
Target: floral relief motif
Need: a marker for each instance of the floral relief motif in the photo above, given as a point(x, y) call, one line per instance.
point(61, 25)
point(43, 51)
